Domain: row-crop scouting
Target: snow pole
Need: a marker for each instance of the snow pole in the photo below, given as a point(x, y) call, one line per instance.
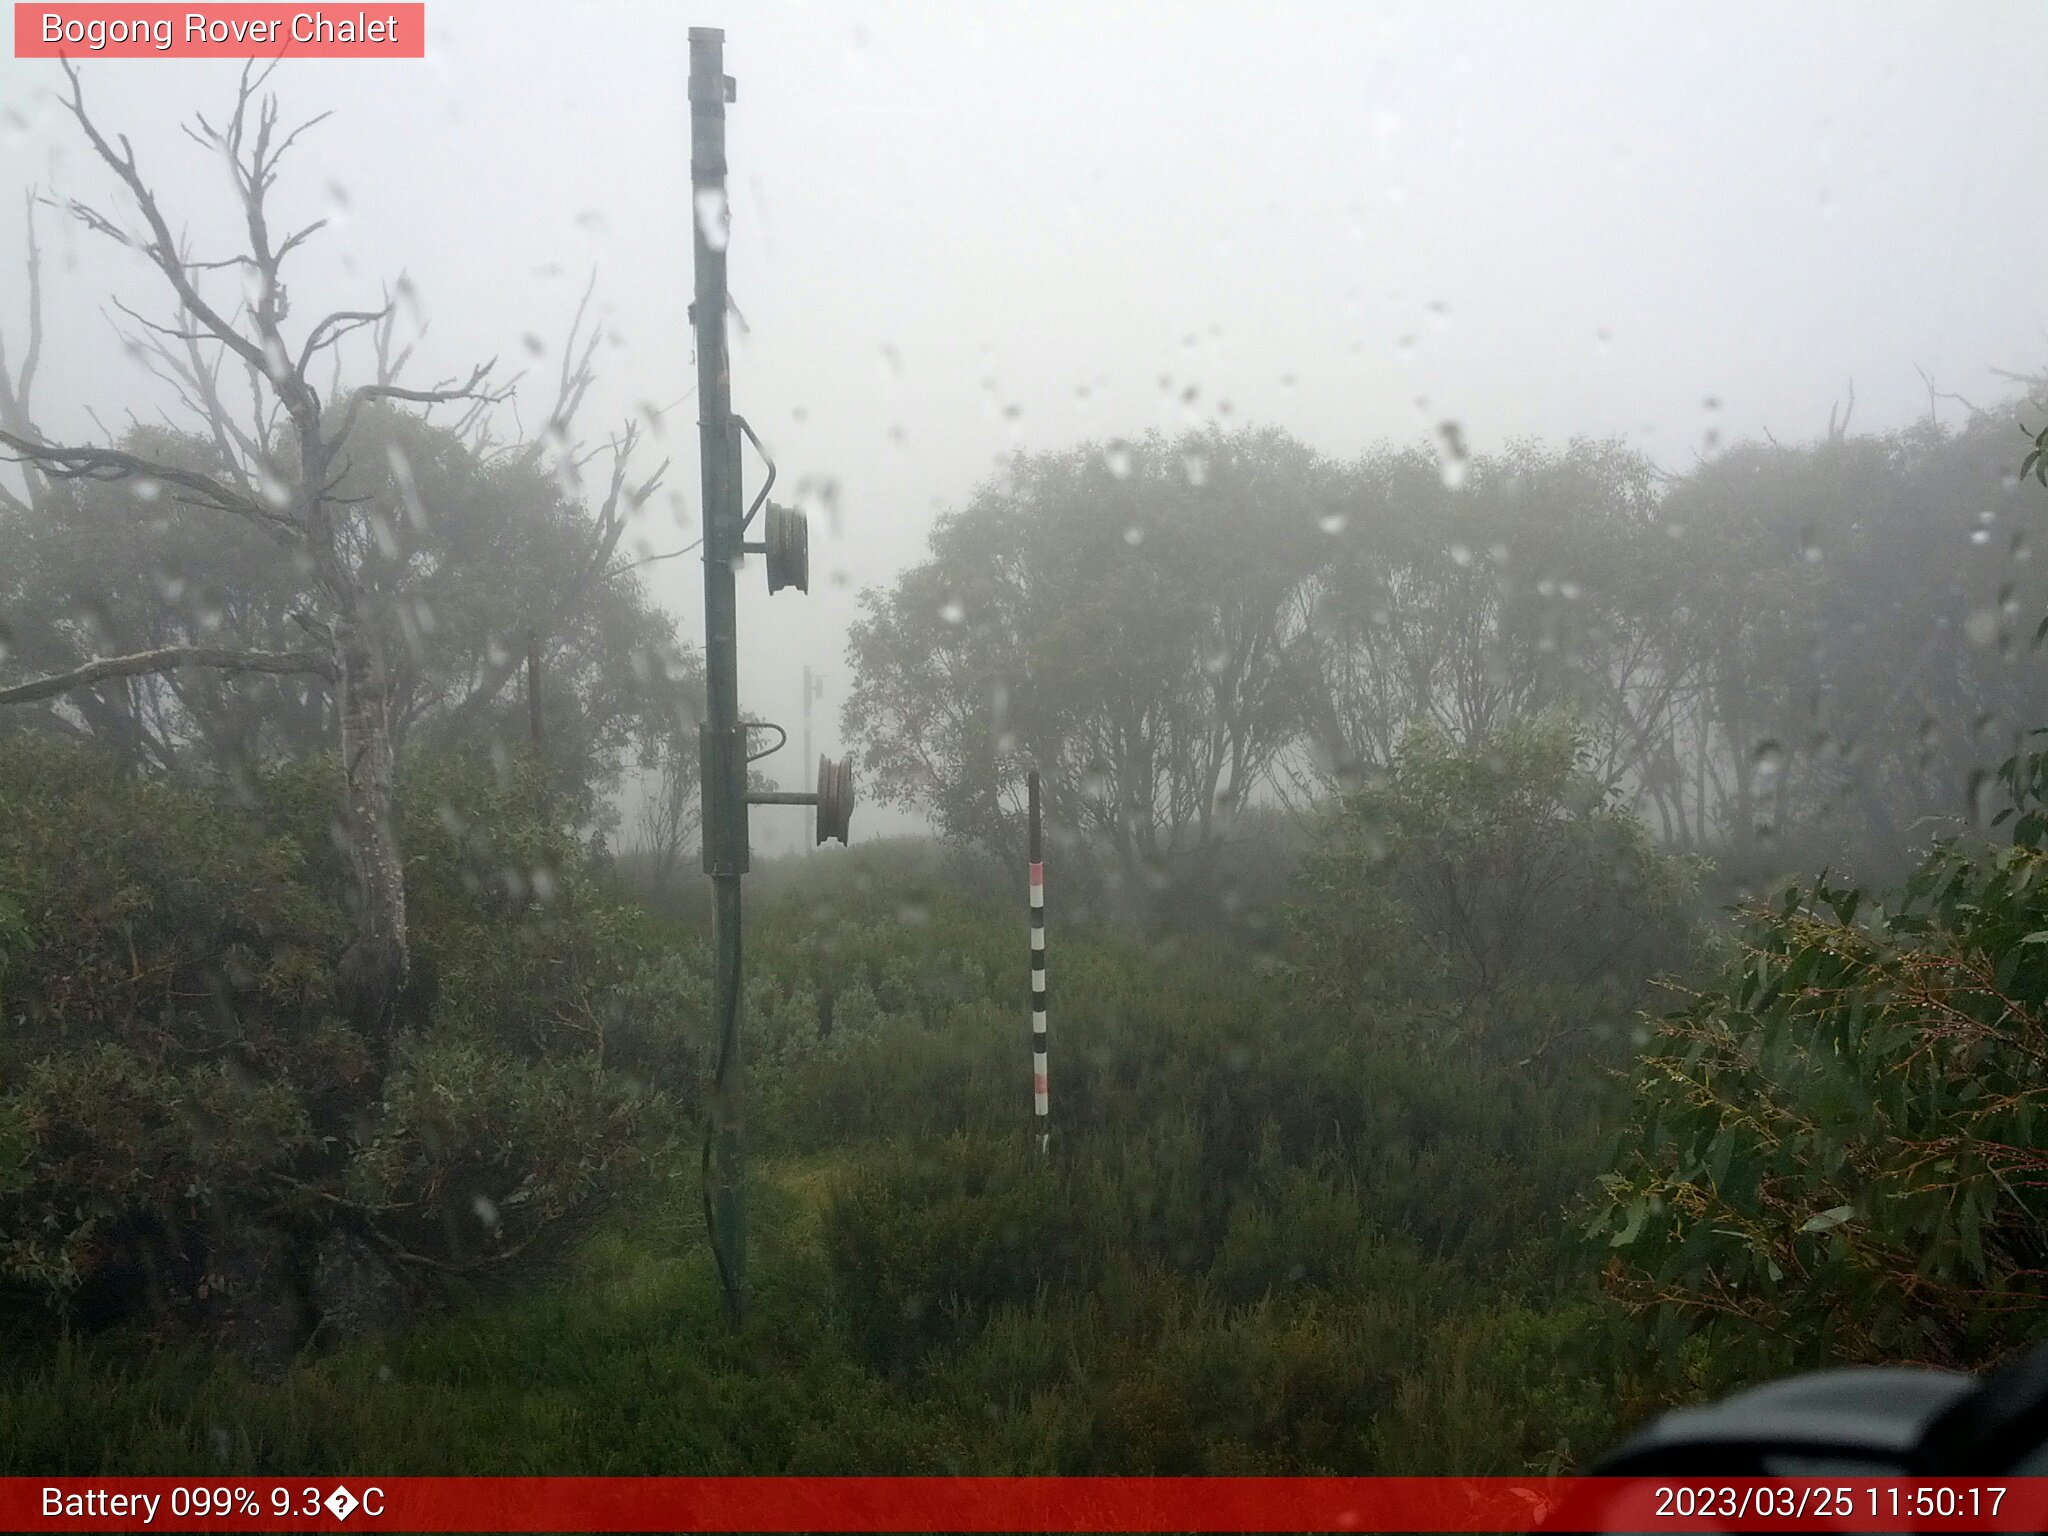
point(1040, 1100)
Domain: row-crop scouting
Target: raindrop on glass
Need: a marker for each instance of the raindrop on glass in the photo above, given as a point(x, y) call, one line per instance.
point(1452, 454)
point(714, 218)
point(1977, 794)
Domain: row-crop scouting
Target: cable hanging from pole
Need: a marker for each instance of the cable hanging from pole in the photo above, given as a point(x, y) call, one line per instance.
point(722, 737)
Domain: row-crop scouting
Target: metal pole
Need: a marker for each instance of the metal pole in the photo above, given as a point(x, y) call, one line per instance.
point(808, 760)
point(722, 738)
point(1041, 1098)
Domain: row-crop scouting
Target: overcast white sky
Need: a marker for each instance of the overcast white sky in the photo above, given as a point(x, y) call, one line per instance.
point(965, 229)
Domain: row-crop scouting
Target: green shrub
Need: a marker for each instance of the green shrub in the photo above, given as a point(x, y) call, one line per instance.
point(474, 1153)
point(175, 1078)
point(120, 1150)
point(1836, 1149)
point(1500, 882)
point(926, 1243)
point(657, 1023)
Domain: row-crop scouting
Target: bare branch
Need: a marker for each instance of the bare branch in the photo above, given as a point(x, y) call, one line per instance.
point(470, 389)
point(318, 628)
point(163, 249)
point(634, 565)
point(167, 659)
point(16, 391)
point(330, 329)
point(593, 570)
point(163, 330)
point(67, 462)
point(389, 367)
point(206, 383)
point(577, 372)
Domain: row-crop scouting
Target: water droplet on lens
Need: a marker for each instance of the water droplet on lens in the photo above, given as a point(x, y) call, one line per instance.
point(1452, 453)
point(714, 218)
point(1977, 791)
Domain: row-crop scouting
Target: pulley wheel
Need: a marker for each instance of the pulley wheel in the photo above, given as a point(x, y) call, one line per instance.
point(835, 798)
point(788, 537)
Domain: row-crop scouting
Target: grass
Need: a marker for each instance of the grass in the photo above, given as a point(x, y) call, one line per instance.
point(1292, 1245)
point(622, 1363)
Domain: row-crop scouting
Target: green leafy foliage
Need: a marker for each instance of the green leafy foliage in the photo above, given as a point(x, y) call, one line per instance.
point(1836, 1150)
point(1268, 1237)
point(173, 1067)
point(1262, 1234)
point(1499, 880)
point(928, 1242)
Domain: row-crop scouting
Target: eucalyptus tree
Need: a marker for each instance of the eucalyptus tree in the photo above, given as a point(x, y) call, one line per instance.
point(1468, 595)
point(1127, 617)
point(301, 500)
point(1864, 637)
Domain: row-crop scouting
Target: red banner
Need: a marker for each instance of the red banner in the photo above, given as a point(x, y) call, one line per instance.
point(1197, 1504)
point(359, 31)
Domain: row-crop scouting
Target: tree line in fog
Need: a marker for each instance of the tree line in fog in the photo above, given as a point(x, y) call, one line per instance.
point(1788, 653)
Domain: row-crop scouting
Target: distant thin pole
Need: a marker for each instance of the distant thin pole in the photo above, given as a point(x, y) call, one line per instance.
point(1041, 1102)
point(807, 759)
point(535, 733)
point(535, 725)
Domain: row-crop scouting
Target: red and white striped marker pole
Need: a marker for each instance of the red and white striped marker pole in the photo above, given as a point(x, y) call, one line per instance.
point(1040, 1100)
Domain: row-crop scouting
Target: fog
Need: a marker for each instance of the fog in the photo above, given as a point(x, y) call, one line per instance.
point(964, 232)
point(1494, 552)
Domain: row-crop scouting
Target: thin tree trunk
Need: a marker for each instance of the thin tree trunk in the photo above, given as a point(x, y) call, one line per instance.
point(375, 966)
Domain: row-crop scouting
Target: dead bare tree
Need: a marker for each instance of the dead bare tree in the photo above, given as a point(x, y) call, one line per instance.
point(283, 463)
